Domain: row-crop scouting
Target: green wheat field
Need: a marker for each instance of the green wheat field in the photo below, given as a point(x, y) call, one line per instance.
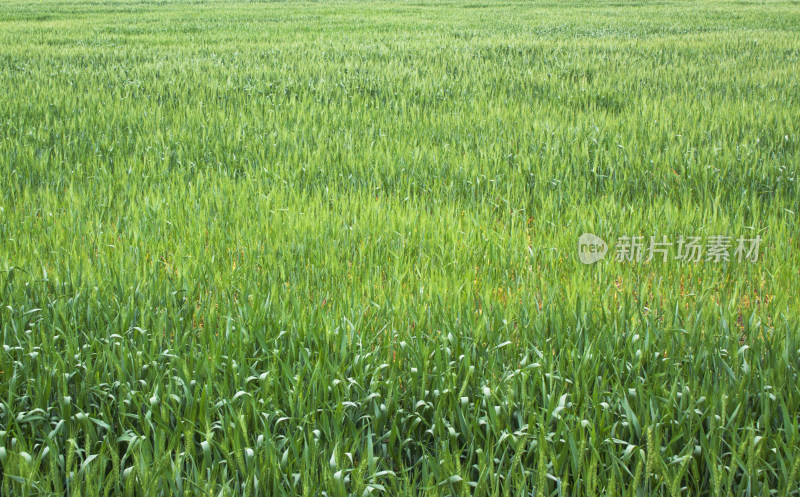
point(332, 248)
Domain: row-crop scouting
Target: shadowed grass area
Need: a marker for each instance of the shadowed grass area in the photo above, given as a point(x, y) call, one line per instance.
point(302, 248)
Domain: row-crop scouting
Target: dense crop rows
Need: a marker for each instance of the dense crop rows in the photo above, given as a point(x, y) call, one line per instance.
point(295, 249)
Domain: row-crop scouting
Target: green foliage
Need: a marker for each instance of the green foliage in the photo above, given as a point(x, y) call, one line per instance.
point(304, 248)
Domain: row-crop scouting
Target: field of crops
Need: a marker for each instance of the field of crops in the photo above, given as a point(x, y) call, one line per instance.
point(332, 248)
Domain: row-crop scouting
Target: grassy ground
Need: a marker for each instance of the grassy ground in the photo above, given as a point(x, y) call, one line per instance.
point(295, 248)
